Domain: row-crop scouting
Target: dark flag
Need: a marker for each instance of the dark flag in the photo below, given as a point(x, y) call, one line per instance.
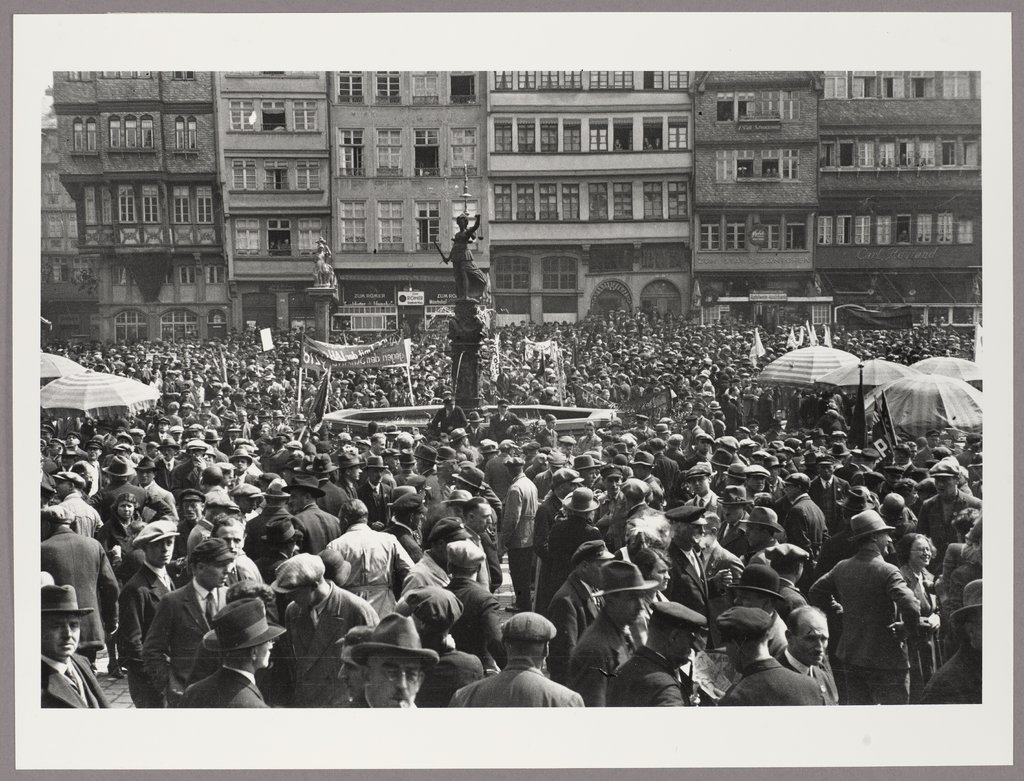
point(858, 429)
point(885, 419)
point(318, 408)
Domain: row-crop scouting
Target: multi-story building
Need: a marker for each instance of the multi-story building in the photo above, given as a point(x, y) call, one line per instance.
point(899, 186)
point(756, 196)
point(590, 192)
point(68, 284)
point(137, 155)
point(405, 147)
point(272, 128)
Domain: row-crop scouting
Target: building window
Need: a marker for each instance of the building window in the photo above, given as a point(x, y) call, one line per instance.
point(125, 204)
point(622, 200)
point(725, 110)
point(131, 132)
point(192, 139)
point(389, 152)
point(549, 136)
point(427, 152)
point(902, 228)
point(827, 155)
point(790, 164)
point(653, 201)
point(844, 232)
point(571, 136)
point(678, 79)
point(835, 84)
point(463, 149)
point(179, 133)
point(310, 229)
point(611, 79)
point(965, 230)
point(710, 236)
point(926, 153)
point(745, 105)
point(824, 230)
point(179, 324)
point(789, 105)
point(677, 134)
point(652, 134)
point(502, 136)
point(106, 207)
point(796, 235)
point(463, 88)
point(389, 225)
point(181, 205)
point(275, 175)
point(745, 164)
point(186, 275)
point(130, 326)
point(243, 174)
point(769, 164)
point(350, 148)
point(304, 115)
point(503, 80)
point(388, 87)
point(526, 79)
point(512, 273)
point(204, 205)
point(735, 235)
point(846, 154)
point(353, 224)
point(350, 87)
point(862, 229)
point(598, 198)
point(654, 80)
point(547, 202)
point(970, 152)
point(424, 89)
point(183, 75)
point(622, 135)
point(146, 125)
point(771, 235)
point(215, 275)
point(242, 116)
point(307, 175)
point(922, 85)
point(956, 84)
point(948, 150)
point(944, 228)
point(272, 115)
point(598, 135)
point(78, 135)
point(428, 223)
point(526, 133)
point(279, 237)
point(89, 196)
point(676, 200)
point(906, 153)
point(114, 132)
point(570, 201)
point(55, 226)
point(883, 229)
point(503, 202)
point(558, 273)
point(865, 154)
point(887, 154)
point(247, 237)
point(864, 86)
point(891, 85)
point(525, 209)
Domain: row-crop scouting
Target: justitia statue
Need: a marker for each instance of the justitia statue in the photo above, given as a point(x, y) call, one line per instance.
point(324, 273)
point(470, 281)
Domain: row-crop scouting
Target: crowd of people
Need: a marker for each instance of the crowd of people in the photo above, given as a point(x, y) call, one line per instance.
point(739, 549)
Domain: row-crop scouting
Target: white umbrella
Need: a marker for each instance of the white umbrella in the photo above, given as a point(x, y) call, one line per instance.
point(961, 368)
point(805, 366)
point(930, 401)
point(53, 366)
point(876, 372)
point(97, 395)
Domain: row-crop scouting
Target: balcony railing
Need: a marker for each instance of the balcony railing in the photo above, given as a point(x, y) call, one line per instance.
point(350, 98)
point(463, 99)
point(389, 170)
point(389, 99)
point(425, 100)
point(428, 172)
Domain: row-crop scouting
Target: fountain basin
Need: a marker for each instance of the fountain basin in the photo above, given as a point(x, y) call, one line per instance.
point(569, 420)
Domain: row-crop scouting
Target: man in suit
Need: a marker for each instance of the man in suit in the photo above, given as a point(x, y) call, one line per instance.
point(804, 523)
point(374, 494)
point(182, 619)
point(504, 423)
point(323, 469)
point(827, 491)
point(318, 527)
point(395, 663)
point(137, 607)
point(243, 639)
point(317, 619)
point(874, 598)
point(937, 512)
point(522, 683)
point(67, 679)
point(652, 677)
point(806, 645)
point(721, 569)
point(698, 483)
point(189, 474)
point(573, 607)
point(550, 511)
point(688, 584)
point(734, 507)
point(74, 560)
point(478, 630)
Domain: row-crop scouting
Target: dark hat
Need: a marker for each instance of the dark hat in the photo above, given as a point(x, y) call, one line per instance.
point(785, 554)
point(192, 494)
point(871, 453)
point(458, 497)
point(447, 530)
point(744, 623)
point(407, 503)
point(278, 531)
point(580, 501)
point(435, 606)
point(170, 442)
point(734, 494)
point(528, 627)
point(348, 461)
point(374, 462)
point(756, 470)
point(591, 550)
point(241, 453)
point(146, 464)
point(445, 453)
point(764, 516)
point(736, 471)
point(687, 514)
point(857, 498)
point(211, 436)
point(120, 466)
point(584, 462)
point(867, 523)
point(502, 402)
point(211, 551)
point(839, 450)
point(619, 576)
point(474, 417)
point(71, 477)
point(305, 483)
point(395, 635)
point(798, 480)
point(675, 616)
point(563, 476)
point(892, 507)
point(824, 458)
point(759, 578)
point(61, 599)
point(471, 476)
point(425, 453)
point(700, 469)
point(971, 602)
point(642, 457)
point(722, 458)
point(239, 625)
point(531, 446)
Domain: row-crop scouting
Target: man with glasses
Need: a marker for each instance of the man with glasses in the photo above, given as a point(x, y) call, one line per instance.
point(394, 662)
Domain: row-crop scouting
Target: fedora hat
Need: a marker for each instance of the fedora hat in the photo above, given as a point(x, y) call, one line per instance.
point(619, 576)
point(721, 458)
point(120, 466)
point(759, 578)
point(580, 501)
point(857, 499)
point(395, 635)
point(867, 523)
point(278, 531)
point(425, 453)
point(471, 476)
point(275, 491)
point(764, 516)
point(584, 462)
point(305, 483)
point(456, 434)
point(239, 625)
point(642, 458)
point(734, 494)
point(347, 461)
point(406, 458)
point(972, 602)
point(61, 599)
point(374, 462)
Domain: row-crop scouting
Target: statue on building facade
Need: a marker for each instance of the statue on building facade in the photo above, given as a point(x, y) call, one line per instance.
point(324, 273)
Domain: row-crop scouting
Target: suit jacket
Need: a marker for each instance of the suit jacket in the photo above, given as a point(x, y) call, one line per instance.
point(667, 471)
point(872, 593)
point(137, 607)
point(333, 498)
point(648, 680)
point(827, 500)
point(59, 692)
point(571, 610)
point(958, 681)
point(519, 685)
point(687, 586)
point(224, 689)
point(79, 561)
point(314, 652)
point(318, 528)
point(453, 670)
point(718, 559)
point(805, 526)
point(566, 535)
point(169, 650)
point(766, 682)
point(478, 630)
point(930, 520)
point(406, 538)
point(822, 676)
point(376, 502)
point(598, 654)
point(516, 530)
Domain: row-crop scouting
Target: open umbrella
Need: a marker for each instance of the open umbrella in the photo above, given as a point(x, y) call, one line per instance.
point(876, 372)
point(805, 366)
point(97, 395)
point(930, 401)
point(962, 369)
point(53, 366)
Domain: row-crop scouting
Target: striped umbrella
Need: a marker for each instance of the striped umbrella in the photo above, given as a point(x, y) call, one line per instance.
point(805, 366)
point(97, 395)
point(930, 401)
point(876, 372)
point(53, 366)
point(960, 368)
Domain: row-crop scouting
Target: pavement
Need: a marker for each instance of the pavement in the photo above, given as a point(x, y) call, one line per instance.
point(116, 689)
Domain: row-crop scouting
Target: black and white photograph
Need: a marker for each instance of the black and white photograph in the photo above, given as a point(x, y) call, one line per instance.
point(480, 388)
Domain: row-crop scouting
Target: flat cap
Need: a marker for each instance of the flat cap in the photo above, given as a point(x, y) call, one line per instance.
point(591, 550)
point(465, 553)
point(448, 530)
point(299, 571)
point(672, 614)
point(686, 514)
point(211, 551)
point(744, 623)
point(528, 627)
point(245, 489)
point(154, 532)
point(191, 495)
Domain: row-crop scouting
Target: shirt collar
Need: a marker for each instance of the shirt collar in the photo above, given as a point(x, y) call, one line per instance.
point(244, 673)
point(160, 573)
point(200, 591)
point(60, 667)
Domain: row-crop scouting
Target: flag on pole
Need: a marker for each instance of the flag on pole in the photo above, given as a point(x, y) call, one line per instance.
point(800, 340)
point(696, 297)
point(223, 364)
point(828, 336)
point(756, 349)
point(858, 428)
point(791, 341)
point(812, 337)
point(885, 419)
point(318, 408)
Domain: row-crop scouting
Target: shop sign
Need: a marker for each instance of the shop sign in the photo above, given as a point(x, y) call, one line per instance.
point(771, 261)
point(758, 236)
point(898, 253)
point(768, 295)
point(410, 298)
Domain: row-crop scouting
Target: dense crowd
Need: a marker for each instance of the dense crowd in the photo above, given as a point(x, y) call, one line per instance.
point(738, 550)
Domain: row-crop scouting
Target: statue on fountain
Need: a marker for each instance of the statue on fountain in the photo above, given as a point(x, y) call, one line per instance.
point(470, 281)
point(324, 273)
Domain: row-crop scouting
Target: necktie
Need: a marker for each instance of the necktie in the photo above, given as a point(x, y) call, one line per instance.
point(211, 608)
point(69, 673)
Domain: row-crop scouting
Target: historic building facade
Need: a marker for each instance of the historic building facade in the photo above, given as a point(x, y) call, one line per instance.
point(137, 155)
point(899, 187)
point(590, 184)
